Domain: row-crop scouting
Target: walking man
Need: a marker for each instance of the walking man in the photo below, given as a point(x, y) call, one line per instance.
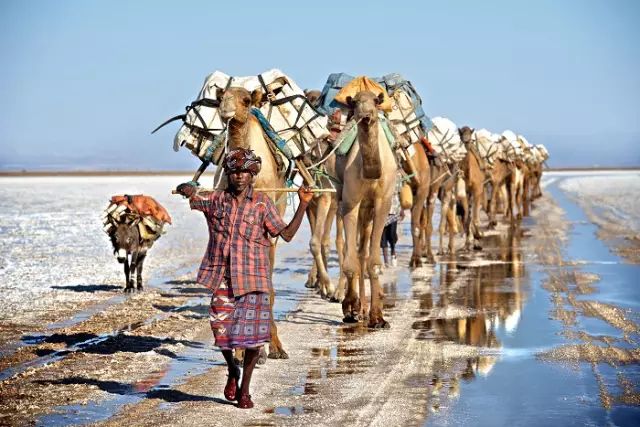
point(236, 264)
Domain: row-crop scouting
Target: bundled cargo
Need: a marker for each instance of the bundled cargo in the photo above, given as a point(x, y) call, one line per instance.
point(143, 211)
point(403, 109)
point(284, 105)
point(543, 151)
point(510, 146)
point(526, 147)
point(445, 140)
point(488, 145)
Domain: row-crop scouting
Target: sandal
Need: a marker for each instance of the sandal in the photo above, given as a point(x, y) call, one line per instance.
point(245, 402)
point(231, 389)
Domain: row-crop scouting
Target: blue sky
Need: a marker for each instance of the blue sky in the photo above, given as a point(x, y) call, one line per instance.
point(82, 83)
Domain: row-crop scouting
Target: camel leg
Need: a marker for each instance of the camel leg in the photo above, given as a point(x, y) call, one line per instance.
point(417, 211)
point(323, 205)
point(375, 229)
point(141, 257)
point(351, 302)
point(525, 198)
point(326, 246)
point(466, 220)
point(342, 278)
point(431, 207)
point(492, 205)
point(445, 203)
point(518, 199)
point(364, 252)
point(276, 351)
point(312, 278)
point(451, 220)
point(475, 218)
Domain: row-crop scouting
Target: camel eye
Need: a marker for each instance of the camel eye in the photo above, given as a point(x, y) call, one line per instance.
point(246, 101)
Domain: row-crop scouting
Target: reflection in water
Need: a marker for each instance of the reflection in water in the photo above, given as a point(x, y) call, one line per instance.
point(466, 304)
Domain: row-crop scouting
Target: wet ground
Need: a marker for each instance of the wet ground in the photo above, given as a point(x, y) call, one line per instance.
point(541, 327)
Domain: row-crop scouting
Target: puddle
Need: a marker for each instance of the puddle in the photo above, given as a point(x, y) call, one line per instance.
point(159, 384)
point(518, 326)
point(83, 341)
point(289, 411)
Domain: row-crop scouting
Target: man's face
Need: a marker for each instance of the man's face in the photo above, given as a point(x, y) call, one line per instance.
point(240, 180)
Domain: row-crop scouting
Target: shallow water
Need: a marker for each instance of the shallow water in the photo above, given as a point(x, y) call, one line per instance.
point(523, 390)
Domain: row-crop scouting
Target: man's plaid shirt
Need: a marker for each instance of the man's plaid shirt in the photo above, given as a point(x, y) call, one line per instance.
point(237, 239)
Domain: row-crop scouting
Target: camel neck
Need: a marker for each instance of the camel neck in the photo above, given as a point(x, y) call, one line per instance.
point(238, 133)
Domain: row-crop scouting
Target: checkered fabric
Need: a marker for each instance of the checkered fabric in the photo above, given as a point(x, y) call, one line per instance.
point(238, 239)
point(243, 322)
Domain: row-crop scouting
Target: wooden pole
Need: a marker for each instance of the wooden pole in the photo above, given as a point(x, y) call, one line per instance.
point(278, 190)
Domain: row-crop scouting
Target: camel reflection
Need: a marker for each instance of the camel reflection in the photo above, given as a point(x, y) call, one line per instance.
point(467, 304)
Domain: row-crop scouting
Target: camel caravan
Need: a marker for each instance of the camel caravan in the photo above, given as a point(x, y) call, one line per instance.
point(360, 139)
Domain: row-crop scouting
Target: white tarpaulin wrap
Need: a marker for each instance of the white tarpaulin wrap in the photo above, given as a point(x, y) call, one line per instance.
point(403, 117)
point(445, 139)
point(543, 151)
point(295, 121)
point(488, 145)
point(511, 145)
point(526, 148)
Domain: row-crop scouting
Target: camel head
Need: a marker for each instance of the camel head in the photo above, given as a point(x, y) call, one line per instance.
point(365, 106)
point(313, 96)
point(236, 103)
point(466, 134)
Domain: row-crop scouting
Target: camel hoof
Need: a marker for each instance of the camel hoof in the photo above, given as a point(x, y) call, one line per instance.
point(477, 247)
point(350, 318)
point(129, 289)
point(262, 358)
point(334, 299)
point(140, 288)
point(278, 354)
point(381, 324)
point(519, 217)
point(310, 285)
point(415, 262)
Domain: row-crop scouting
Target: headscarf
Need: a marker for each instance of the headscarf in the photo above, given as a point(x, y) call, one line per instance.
point(242, 159)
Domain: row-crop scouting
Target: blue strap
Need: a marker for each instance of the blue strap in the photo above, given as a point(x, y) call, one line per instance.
point(272, 134)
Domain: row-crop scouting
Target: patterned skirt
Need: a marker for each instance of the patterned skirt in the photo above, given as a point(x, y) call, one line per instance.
point(243, 322)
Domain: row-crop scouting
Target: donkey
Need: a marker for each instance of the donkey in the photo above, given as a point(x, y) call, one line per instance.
point(127, 242)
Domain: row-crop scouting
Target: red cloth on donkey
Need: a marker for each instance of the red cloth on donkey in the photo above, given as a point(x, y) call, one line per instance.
point(144, 205)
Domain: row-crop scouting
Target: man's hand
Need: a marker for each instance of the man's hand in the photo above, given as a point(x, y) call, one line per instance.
point(305, 194)
point(186, 189)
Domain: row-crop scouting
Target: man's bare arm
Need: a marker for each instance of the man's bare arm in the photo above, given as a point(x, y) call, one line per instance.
point(290, 230)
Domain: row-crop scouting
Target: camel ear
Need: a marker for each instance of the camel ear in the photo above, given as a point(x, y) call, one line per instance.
point(256, 97)
point(219, 94)
point(380, 99)
point(350, 102)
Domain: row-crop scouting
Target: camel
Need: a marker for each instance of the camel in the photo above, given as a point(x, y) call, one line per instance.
point(246, 132)
point(473, 169)
point(367, 175)
point(420, 188)
point(321, 213)
point(441, 177)
point(536, 176)
point(443, 185)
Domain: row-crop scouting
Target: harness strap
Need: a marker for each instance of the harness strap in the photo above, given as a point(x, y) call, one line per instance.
point(272, 134)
